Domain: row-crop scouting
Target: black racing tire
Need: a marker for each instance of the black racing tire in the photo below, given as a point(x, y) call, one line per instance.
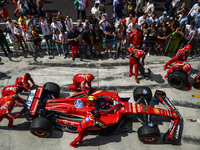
point(142, 91)
point(177, 79)
point(41, 127)
point(147, 134)
point(52, 88)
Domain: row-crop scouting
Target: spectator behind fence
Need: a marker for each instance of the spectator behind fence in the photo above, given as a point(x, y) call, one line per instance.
point(13, 40)
point(97, 39)
point(180, 9)
point(95, 10)
point(93, 21)
point(174, 5)
point(87, 41)
point(80, 26)
point(48, 18)
point(28, 39)
point(118, 12)
point(129, 19)
point(3, 42)
point(47, 34)
point(110, 32)
point(56, 24)
point(36, 39)
point(56, 40)
point(30, 21)
point(31, 4)
point(18, 34)
point(68, 23)
point(60, 18)
point(183, 19)
point(40, 4)
point(64, 43)
point(16, 10)
point(10, 23)
point(4, 12)
point(149, 8)
point(193, 10)
point(197, 18)
point(74, 42)
point(103, 23)
point(143, 18)
point(81, 6)
point(136, 38)
point(153, 19)
point(22, 20)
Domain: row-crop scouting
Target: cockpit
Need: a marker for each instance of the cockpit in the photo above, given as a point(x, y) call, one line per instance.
point(104, 104)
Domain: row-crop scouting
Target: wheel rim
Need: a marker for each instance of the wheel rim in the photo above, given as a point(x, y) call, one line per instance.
point(39, 133)
point(150, 139)
point(176, 82)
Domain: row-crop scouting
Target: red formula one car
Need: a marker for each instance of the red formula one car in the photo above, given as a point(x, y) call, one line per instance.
point(45, 110)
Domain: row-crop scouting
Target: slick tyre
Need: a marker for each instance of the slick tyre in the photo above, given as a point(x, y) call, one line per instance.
point(52, 88)
point(147, 134)
point(41, 127)
point(142, 92)
point(177, 79)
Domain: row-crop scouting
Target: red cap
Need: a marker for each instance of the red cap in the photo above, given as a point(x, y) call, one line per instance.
point(123, 20)
point(24, 28)
point(134, 21)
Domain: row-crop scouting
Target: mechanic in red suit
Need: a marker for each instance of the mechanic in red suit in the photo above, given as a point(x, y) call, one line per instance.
point(197, 81)
point(85, 125)
point(23, 81)
point(181, 55)
point(7, 103)
point(81, 80)
point(183, 66)
point(136, 54)
point(11, 90)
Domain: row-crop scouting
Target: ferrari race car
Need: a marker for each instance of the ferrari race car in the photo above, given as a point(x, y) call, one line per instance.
point(46, 110)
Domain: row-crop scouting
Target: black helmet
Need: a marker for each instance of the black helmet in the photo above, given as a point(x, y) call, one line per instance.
point(19, 89)
point(27, 75)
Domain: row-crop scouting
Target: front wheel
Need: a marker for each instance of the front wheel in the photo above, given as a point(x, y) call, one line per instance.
point(147, 134)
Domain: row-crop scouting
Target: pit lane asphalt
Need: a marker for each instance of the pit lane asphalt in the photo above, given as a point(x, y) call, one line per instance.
point(109, 75)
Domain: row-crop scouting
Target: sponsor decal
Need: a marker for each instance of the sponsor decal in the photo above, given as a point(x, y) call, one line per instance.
point(31, 94)
point(144, 91)
point(145, 108)
point(87, 119)
point(177, 132)
point(28, 102)
point(91, 98)
point(2, 107)
point(78, 103)
point(139, 108)
point(52, 104)
point(150, 124)
point(11, 88)
point(156, 110)
point(170, 104)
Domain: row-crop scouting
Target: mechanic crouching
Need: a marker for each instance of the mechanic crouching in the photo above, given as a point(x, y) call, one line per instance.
point(85, 125)
point(11, 90)
point(136, 54)
point(182, 66)
point(81, 80)
point(23, 81)
point(7, 103)
point(181, 55)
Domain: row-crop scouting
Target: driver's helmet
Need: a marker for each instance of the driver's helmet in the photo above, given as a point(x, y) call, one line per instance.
point(139, 53)
point(187, 48)
point(89, 77)
point(186, 67)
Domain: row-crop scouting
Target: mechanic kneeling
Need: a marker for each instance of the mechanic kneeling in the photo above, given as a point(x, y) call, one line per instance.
point(23, 81)
point(182, 66)
point(81, 80)
point(7, 103)
point(85, 125)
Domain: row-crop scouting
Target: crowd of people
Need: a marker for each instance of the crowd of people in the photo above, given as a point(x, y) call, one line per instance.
point(139, 28)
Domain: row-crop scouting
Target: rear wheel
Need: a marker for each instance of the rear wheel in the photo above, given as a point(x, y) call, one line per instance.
point(41, 127)
point(52, 88)
point(147, 134)
point(177, 79)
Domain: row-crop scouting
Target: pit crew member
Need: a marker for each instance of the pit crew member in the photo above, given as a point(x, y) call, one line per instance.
point(182, 66)
point(23, 81)
point(136, 54)
point(11, 90)
point(7, 103)
point(81, 80)
point(85, 125)
point(181, 55)
point(197, 81)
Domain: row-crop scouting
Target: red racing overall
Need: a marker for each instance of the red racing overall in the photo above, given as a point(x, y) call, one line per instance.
point(181, 55)
point(83, 129)
point(9, 90)
point(7, 103)
point(81, 80)
point(23, 82)
point(183, 66)
point(197, 81)
point(134, 60)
